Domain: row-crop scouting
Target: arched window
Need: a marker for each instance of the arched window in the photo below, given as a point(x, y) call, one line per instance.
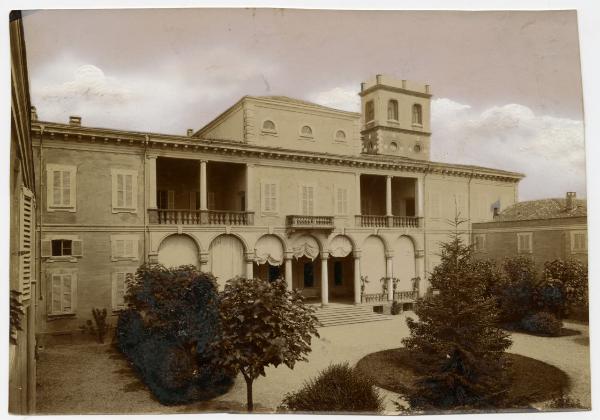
point(306, 131)
point(269, 125)
point(417, 114)
point(393, 110)
point(369, 111)
point(340, 135)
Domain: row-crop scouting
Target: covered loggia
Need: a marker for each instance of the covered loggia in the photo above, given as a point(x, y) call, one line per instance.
point(269, 258)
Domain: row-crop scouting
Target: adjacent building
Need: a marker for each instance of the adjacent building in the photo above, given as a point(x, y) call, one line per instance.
point(23, 268)
point(272, 187)
point(544, 230)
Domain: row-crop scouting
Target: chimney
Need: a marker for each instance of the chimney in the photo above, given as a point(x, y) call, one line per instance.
point(496, 213)
point(34, 116)
point(190, 132)
point(403, 84)
point(75, 121)
point(427, 87)
point(362, 86)
point(570, 201)
point(378, 79)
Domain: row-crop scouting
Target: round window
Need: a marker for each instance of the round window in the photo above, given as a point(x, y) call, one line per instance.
point(393, 147)
point(417, 148)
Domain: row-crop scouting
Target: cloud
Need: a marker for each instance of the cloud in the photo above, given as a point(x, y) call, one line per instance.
point(548, 150)
point(345, 98)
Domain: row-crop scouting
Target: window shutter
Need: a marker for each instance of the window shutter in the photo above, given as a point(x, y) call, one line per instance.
point(77, 248)
point(55, 293)
point(118, 291)
point(67, 188)
point(27, 233)
point(46, 248)
point(274, 198)
point(56, 188)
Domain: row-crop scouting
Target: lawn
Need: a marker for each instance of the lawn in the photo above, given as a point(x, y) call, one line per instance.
point(532, 380)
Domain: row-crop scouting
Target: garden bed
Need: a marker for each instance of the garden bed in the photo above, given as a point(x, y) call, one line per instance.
point(532, 380)
point(564, 332)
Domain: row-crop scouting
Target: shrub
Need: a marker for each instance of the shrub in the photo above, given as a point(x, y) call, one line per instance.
point(168, 332)
point(99, 327)
point(514, 293)
point(339, 388)
point(548, 296)
point(572, 278)
point(565, 402)
point(542, 323)
point(396, 308)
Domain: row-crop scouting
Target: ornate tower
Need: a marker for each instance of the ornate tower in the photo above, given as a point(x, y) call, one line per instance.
point(395, 118)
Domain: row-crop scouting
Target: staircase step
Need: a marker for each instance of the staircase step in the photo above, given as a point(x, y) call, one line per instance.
point(338, 314)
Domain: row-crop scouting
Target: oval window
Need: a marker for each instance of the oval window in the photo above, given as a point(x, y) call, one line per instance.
point(268, 125)
point(306, 131)
point(340, 135)
point(393, 147)
point(417, 148)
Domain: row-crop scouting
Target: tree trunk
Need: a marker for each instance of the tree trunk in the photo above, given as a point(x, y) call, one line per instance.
point(248, 392)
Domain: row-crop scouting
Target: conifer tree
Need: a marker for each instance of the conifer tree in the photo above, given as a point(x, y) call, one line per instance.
point(456, 343)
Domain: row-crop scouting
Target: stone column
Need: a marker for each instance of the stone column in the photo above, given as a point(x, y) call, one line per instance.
point(324, 279)
point(358, 209)
point(388, 195)
point(288, 270)
point(203, 191)
point(249, 265)
point(357, 297)
point(389, 273)
point(151, 181)
point(249, 187)
point(420, 197)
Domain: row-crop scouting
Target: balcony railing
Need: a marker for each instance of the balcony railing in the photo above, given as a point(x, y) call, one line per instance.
point(200, 217)
point(402, 296)
point(309, 222)
point(369, 220)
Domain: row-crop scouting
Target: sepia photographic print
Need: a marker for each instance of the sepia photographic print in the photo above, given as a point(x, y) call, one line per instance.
point(297, 211)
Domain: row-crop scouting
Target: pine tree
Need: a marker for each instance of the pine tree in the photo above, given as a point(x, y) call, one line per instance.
point(456, 343)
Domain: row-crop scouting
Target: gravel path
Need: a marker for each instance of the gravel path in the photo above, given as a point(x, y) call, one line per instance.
point(92, 378)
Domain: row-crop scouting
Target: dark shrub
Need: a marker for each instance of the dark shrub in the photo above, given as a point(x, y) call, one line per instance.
point(548, 296)
point(542, 323)
point(396, 308)
point(337, 389)
point(166, 333)
point(515, 291)
point(564, 402)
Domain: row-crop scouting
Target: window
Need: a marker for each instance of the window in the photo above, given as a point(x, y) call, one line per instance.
point(309, 275)
point(124, 195)
point(119, 288)
point(307, 199)
point(417, 114)
point(524, 243)
point(393, 110)
point(369, 111)
point(274, 272)
point(479, 242)
point(61, 187)
point(62, 292)
point(268, 126)
point(166, 199)
point(338, 277)
point(306, 131)
point(393, 146)
point(341, 201)
point(269, 199)
point(124, 247)
point(62, 247)
point(579, 241)
point(417, 148)
point(340, 135)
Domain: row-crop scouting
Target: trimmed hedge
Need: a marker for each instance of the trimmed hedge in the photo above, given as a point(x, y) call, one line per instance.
point(337, 389)
point(167, 331)
point(542, 323)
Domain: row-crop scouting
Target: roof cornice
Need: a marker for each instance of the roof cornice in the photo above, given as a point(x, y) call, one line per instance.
point(159, 141)
point(394, 89)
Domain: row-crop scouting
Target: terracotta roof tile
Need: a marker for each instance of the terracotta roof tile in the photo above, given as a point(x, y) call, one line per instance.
point(550, 208)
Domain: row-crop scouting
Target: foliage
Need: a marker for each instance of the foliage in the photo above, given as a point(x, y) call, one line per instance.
point(169, 330)
point(364, 280)
point(16, 315)
point(337, 389)
point(99, 327)
point(263, 324)
point(384, 285)
point(396, 308)
point(542, 323)
point(549, 296)
point(572, 278)
point(456, 342)
point(415, 281)
point(490, 276)
point(515, 291)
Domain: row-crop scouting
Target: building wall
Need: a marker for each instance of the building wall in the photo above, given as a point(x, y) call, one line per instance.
point(551, 239)
point(230, 127)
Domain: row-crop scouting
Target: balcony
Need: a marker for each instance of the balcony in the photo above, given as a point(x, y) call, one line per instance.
point(294, 222)
point(377, 221)
point(200, 217)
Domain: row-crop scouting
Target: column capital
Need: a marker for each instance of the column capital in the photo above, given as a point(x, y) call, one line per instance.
point(249, 256)
point(150, 157)
point(389, 254)
point(288, 255)
point(324, 255)
point(419, 253)
point(356, 253)
point(389, 176)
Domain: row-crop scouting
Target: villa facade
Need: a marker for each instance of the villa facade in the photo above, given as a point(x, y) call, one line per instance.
point(273, 187)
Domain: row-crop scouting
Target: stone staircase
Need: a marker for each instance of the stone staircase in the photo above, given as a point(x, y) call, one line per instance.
point(343, 314)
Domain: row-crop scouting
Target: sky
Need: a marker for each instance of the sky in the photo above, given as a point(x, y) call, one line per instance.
point(506, 85)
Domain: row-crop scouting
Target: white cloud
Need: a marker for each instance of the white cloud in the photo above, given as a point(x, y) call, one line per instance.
point(548, 150)
point(345, 98)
